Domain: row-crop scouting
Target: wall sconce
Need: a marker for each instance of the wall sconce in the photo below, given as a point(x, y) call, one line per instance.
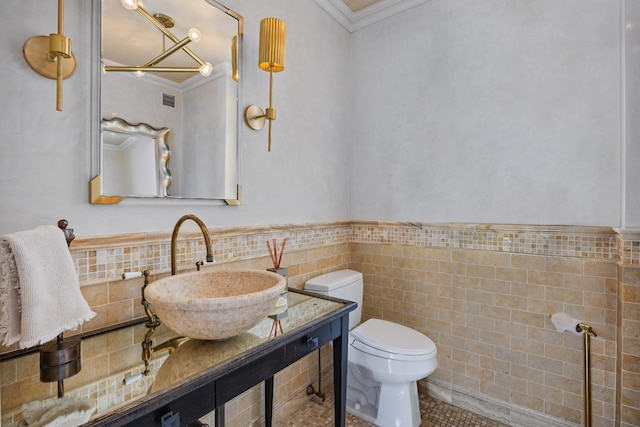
point(163, 23)
point(270, 58)
point(51, 56)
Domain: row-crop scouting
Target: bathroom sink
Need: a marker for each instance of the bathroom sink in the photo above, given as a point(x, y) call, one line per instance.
point(215, 304)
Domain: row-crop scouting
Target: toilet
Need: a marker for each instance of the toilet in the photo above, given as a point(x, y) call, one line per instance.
point(385, 359)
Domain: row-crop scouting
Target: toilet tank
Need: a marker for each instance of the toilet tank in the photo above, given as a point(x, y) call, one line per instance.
point(343, 284)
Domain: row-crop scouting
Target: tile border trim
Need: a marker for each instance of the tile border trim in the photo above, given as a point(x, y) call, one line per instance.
point(100, 259)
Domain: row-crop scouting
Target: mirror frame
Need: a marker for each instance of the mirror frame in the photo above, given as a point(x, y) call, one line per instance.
point(161, 150)
point(96, 194)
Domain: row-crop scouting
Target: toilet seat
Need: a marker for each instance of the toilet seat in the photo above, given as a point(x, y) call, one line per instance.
point(391, 341)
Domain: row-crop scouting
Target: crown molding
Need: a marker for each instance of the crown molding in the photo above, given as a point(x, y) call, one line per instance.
point(354, 21)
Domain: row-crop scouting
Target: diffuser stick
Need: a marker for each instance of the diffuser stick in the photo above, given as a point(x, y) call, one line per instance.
point(273, 252)
point(284, 242)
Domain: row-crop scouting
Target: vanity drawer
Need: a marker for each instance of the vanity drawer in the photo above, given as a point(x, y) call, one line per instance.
point(236, 383)
point(186, 407)
point(312, 341)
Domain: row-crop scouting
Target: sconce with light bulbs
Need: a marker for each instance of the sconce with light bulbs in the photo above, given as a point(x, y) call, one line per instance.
point(270, 58)
point(163, 23)
point(51, 56)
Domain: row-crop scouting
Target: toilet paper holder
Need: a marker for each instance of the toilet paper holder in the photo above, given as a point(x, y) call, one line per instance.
point(562, 321)
point(588, 330)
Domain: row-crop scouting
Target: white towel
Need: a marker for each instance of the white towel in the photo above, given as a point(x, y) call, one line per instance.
point(39, 289)
point(67, 411)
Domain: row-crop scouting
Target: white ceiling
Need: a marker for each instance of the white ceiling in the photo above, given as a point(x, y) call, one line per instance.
point(357, 14)
point(356, 5)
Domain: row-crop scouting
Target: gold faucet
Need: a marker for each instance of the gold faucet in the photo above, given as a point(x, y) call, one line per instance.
point(174, 236)
point(170, 345)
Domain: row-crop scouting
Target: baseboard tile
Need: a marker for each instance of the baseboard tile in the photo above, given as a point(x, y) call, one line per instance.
point(503, 412)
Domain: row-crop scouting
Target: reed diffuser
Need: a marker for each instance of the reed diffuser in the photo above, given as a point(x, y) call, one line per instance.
point(273, 252)
point(281, 308)
point(276, 258)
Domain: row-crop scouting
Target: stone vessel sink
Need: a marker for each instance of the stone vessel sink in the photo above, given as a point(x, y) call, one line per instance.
point(215, 304)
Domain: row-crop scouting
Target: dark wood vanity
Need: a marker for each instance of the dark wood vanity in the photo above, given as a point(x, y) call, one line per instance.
point(231, 367)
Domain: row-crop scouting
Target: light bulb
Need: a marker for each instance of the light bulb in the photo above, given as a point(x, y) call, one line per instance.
point(139, 73)
point(206, 69)
point(194, 35)
point(129, 4)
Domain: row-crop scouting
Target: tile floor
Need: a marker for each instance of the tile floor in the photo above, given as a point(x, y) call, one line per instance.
point(435, 413)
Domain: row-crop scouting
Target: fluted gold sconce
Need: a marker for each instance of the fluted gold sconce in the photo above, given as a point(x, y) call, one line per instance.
point(51, 56)
point(163, 23)
point(273, 33)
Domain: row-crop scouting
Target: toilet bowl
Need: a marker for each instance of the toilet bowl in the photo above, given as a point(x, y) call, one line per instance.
point(385, 359)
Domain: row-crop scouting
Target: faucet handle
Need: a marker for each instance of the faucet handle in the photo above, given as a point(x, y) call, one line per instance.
point(204, 264)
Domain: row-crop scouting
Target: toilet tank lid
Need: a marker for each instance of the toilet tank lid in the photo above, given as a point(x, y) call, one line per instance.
point(393, 338)
point(331, 281)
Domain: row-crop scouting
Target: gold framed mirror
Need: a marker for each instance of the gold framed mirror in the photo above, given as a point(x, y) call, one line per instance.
point(170, 65)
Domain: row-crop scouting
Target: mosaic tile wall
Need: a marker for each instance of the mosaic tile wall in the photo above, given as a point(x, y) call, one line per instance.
point(630, 250)
point(484, 295)
point(489, 316)
point(310, 251)
point(103, 259)
point(489, 256)
point(584, 242)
